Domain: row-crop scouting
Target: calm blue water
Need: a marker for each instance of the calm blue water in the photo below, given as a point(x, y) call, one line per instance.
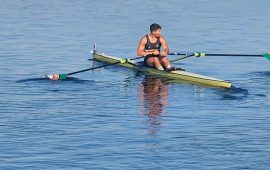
point(116, 118)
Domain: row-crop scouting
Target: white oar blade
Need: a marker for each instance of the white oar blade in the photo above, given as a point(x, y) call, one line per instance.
point(53, 76)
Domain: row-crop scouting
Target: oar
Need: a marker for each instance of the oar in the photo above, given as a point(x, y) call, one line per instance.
point(200, 54)
point(181, 58)
point(177, 54)
point(65, 76)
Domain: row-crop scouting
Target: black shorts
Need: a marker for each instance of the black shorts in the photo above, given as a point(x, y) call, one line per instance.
point(150, 56)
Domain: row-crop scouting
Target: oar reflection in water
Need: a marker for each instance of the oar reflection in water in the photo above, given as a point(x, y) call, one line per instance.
point(153, 95)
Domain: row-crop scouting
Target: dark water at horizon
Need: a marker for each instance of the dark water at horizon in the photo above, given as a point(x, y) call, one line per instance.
point(116, 118)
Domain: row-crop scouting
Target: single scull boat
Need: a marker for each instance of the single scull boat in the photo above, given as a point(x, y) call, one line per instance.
point(177, 75)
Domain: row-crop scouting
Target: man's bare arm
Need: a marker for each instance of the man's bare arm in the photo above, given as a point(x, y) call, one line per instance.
point(164, 47)
point(141, 47)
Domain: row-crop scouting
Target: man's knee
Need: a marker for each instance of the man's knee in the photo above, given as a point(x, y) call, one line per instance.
point(156, 60)
point(164, 59)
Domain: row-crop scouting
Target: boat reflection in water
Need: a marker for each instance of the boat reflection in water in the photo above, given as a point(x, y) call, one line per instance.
point(153, 97)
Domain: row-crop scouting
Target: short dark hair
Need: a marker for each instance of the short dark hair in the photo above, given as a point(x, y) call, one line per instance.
point(154, 27)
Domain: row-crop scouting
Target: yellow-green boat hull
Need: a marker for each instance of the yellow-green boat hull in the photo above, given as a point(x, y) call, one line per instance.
point(177, 75)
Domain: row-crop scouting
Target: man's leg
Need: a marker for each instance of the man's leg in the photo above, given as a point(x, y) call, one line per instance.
point(154, 62)
point(165, 62)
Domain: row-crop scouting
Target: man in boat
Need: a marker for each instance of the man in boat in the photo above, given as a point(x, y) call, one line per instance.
point(149, 48)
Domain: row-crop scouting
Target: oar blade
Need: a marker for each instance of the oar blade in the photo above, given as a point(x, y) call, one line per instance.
point(57, 76)
point(267, 56)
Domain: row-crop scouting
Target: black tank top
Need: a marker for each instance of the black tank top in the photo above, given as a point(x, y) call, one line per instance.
point(152, 46)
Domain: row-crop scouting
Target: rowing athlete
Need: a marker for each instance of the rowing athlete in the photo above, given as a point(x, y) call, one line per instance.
point(149, 48)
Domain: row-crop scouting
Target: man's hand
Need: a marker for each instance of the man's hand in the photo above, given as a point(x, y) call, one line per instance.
point(163, 53)
point(153, 52)
point(156, 52)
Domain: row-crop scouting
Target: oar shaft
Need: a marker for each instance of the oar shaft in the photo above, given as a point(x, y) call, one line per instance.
point(177, 59)
point(93, 68)
point(177, 54)
point(206, 54)
point(200, 54)
point(240, 55)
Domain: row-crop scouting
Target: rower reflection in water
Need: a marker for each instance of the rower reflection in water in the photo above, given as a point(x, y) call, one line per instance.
point(153, 95)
